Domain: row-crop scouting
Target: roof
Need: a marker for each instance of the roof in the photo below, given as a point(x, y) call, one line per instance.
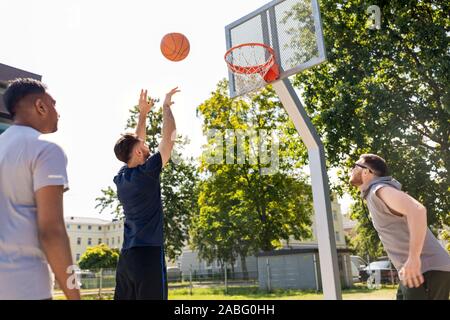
point(348, 223)
point(298, 250)
point(87, 220)
point(9, 73)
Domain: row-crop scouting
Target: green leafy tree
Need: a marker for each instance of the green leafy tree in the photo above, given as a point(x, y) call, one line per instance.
point(387, 92)
point(178, 187)
point(99, 257)
point(243, 210)
point(445, 235)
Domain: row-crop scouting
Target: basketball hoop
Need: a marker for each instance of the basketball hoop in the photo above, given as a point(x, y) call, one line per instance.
point(253, 64)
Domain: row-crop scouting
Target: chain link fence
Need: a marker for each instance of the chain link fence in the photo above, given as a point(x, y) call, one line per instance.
point(104, 280)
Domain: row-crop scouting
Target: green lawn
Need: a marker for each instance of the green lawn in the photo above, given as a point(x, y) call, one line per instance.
point(253, 293)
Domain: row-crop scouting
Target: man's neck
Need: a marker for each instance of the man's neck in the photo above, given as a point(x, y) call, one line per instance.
point(19, 122)
point(133, 164)
point(366, 184)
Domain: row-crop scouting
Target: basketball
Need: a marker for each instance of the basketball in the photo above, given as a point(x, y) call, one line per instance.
point(175, 46)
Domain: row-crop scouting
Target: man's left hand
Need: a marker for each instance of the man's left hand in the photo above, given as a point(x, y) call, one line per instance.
point(168, 100)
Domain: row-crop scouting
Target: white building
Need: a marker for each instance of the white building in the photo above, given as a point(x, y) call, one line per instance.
point(89, 232)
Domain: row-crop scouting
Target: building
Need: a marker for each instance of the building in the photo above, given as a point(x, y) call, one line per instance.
point(299, 268)
point(349, 226)
point(8, 73)
point(190, 263)
point(89, 232)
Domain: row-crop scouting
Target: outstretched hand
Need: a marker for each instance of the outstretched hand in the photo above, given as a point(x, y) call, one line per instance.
point(145, 104)
point(168, 101)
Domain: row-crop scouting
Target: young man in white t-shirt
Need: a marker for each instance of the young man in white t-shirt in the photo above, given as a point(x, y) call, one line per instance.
point(33, 179)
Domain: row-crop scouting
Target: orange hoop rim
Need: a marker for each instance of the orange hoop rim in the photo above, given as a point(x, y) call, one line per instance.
point(251, 69)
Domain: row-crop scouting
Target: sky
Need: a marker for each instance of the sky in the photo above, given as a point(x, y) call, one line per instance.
point(95, 56)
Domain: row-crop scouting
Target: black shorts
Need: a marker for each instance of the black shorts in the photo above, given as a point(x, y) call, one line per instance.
point(435, 287)
point(141, 274)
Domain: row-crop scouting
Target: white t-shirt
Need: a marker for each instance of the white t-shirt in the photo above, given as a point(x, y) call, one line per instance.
point(28, 162)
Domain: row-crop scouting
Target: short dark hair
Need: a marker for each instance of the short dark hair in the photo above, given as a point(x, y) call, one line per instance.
point(19, 89)
point(124, 146)
point(376, 163)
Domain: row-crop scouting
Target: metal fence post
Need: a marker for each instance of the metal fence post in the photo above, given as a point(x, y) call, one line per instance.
point(226, 279)
point(101, 284)
point(344, 263)
point(190, 280)
point(391, 273)
point(369, 272)
point(315, 272)
point(269, 284)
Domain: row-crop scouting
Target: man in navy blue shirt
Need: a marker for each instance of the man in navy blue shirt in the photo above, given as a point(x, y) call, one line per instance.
point(141, 271)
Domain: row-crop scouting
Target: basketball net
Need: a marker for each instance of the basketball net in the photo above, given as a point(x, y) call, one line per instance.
point(253, 66)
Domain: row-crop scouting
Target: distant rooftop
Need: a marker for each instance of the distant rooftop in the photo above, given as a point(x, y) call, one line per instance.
point(87, 220)
point(348, 223)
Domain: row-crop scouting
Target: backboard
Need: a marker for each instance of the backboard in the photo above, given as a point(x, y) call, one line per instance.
point(293, 28)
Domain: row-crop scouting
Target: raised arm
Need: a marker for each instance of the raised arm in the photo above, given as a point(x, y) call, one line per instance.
point(145, 105)
point(416, 216)
point(168, 128)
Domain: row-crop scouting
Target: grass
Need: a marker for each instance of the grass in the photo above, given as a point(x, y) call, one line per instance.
point(254, 293)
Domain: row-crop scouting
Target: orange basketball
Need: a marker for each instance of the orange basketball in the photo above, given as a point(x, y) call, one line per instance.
point(175, 46)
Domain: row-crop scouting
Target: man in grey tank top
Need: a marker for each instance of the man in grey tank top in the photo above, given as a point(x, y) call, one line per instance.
point(401, 222)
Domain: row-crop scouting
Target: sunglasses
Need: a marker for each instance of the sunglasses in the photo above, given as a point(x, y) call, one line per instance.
point(361, 166)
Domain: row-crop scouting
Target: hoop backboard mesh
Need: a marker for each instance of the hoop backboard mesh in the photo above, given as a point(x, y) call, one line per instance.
point(291, 27)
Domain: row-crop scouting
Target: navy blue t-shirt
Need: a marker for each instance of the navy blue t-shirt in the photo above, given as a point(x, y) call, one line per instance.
point(139, 192)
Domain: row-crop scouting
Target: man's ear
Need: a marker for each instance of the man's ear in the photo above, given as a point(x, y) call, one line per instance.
point(138, 151)
point(40, 106)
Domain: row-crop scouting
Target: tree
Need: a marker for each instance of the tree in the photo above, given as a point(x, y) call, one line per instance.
point(99, 257)
point(386, 92)
point(178, 187)
point(249, 204)
point(445, 235)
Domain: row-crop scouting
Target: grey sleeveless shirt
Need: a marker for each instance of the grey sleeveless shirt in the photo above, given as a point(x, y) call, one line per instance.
point(394, 233)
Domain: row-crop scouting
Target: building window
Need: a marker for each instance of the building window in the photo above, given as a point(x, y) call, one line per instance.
point(78, 241)
point(99, 228)
point(338, 237)
point(79, 227)
point(107, 242)
point(108, 228)
point(89, 227)
point(89, 241)
point(118, 240)
point(78, 257)
point(68, 226)
point(99, 240)
point(112, 241)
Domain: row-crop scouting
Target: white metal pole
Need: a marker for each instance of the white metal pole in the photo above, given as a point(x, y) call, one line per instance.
point(321, 193)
